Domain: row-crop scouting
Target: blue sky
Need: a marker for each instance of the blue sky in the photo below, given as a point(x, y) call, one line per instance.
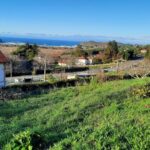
point(121, 18)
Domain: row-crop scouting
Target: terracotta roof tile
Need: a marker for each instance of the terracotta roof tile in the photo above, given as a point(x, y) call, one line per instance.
point(3, 59)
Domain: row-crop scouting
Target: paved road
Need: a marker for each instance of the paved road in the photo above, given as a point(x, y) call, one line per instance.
point(37, 78)
point(122, 66)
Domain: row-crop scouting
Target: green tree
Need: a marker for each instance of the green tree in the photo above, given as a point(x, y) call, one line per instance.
point(147, 55)
point(27, 51)
point(111, 51)
point(79, 52)
point(129, 52)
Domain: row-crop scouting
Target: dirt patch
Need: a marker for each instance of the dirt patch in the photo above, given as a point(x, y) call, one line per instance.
point(50, 52)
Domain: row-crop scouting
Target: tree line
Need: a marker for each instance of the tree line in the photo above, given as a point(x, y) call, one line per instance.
point(113, 52)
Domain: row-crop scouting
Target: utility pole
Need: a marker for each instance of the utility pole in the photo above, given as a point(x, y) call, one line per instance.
point(45, 68)
point(11, 69)
point(117, 66)
point(61, 68)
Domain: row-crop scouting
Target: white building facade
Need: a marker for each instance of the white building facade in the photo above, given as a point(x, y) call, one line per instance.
point(3, 60)
point(84, 61)
point(2, 76)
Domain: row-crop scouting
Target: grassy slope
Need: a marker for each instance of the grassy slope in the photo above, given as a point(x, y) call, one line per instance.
point(81, 116)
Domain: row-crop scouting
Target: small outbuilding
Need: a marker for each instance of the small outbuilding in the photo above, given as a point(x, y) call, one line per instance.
point(3, 61)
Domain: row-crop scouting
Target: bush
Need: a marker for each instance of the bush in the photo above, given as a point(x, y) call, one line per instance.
point(97, 60)
point(26, 141)
point(101, 77)
point(140, 92)
point(33, 72)
point(51, 79)
point(147, 55)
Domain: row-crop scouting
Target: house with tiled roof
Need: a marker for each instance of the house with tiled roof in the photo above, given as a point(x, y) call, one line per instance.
point(3, 61)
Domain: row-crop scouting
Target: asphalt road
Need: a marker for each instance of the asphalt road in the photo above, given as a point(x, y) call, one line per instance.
point(37, 78)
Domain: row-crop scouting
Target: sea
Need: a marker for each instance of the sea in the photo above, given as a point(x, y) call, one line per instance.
point(38, 41)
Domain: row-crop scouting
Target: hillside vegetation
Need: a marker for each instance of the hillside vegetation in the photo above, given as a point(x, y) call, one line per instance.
point(97, 116)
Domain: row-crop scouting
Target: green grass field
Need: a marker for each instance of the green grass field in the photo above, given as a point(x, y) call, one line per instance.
point(90, 117)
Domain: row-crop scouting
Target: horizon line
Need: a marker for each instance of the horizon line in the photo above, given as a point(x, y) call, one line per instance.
point(78, 37)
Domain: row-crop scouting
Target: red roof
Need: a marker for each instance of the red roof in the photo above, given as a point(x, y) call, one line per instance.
point(3, 59)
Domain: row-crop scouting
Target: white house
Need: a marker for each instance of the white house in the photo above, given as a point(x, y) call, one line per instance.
point(62, 64)
point(84, 61)
point(66, 62)
point(71, 77)
point(143, 51)
point(3, 60)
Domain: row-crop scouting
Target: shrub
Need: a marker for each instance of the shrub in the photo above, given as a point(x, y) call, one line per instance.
point(51, 79)
point(147, 55)
point(97, 60)
point(101, 77)
point(33, 72)
point(26, 141)
point(140, 92)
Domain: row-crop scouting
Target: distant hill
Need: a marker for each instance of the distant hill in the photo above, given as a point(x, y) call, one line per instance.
point(93, 44)
point(101, 45)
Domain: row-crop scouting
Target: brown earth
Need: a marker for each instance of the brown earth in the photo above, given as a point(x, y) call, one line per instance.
point(46, 51)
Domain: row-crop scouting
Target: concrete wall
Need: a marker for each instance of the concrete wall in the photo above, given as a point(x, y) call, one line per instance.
point(2, 76)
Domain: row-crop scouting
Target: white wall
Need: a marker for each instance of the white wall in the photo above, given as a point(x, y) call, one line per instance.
point(2, 76)
point(82, 62)
point(62, 64)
